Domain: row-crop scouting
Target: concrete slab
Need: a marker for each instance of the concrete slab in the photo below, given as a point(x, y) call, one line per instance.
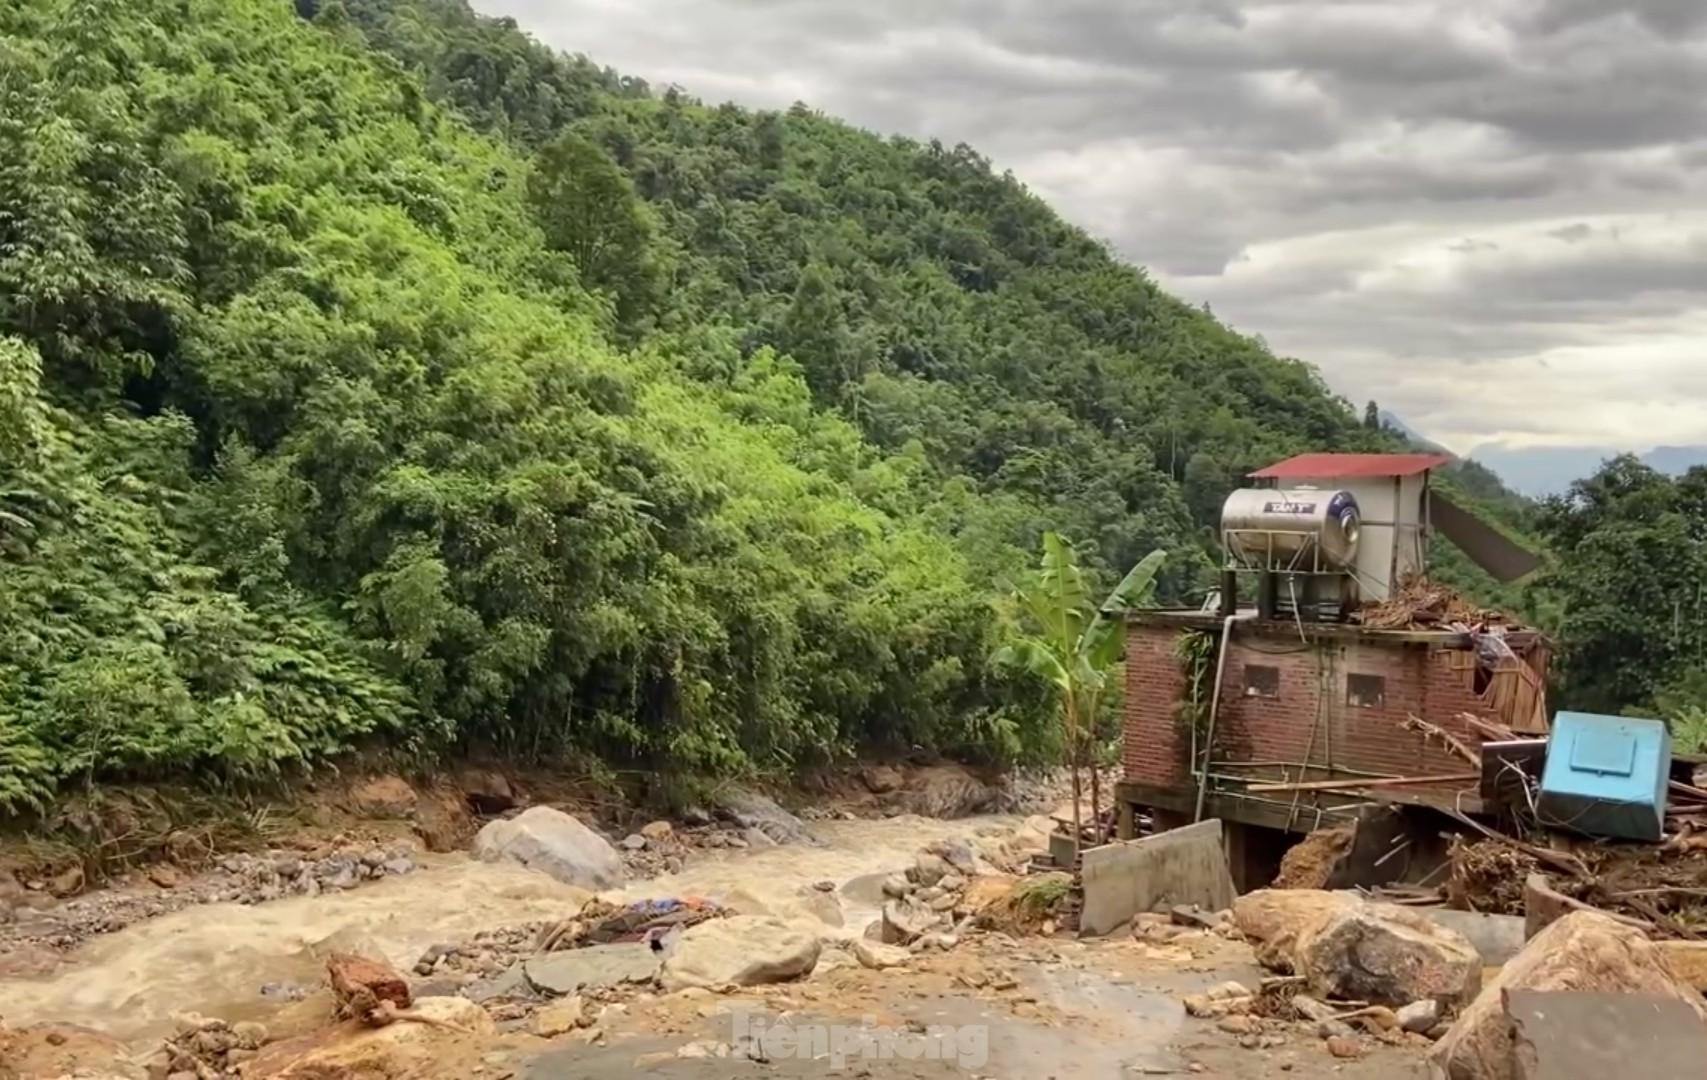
point(1591, 1035)
point(1181, 866)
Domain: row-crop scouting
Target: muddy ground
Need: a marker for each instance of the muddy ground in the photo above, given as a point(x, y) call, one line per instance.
point(995, 1006)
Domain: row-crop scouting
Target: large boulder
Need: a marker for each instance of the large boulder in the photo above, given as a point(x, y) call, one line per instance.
point(742, 950)
point(553, 843)
point(750, 810)
point(1387, 955)
point(1584, 950)
point(1268, 914)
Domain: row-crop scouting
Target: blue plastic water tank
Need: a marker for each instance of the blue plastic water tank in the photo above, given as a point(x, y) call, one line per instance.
point(1606, 775)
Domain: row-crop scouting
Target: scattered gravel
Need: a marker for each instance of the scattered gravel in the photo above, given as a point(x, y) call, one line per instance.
point(234, 879)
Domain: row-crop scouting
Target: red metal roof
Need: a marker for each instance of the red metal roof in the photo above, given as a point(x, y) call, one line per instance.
point(1306, 466)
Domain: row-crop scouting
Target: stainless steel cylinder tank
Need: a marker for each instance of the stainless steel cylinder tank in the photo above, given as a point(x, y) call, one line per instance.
point(1292, 529)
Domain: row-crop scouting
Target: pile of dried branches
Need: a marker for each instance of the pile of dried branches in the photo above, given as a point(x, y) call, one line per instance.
point(1421, 604)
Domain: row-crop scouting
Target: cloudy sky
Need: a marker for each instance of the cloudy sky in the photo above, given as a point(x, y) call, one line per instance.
point(1491, 215)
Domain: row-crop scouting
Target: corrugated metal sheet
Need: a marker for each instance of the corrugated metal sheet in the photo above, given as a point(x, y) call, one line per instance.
point(1306, 466)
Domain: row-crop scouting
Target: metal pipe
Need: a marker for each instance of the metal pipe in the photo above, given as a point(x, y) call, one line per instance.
point(1215, 706)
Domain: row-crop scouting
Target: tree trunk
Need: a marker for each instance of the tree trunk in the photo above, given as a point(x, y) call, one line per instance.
point(1078, 829)
point(1096, 805)
point(1072, 725)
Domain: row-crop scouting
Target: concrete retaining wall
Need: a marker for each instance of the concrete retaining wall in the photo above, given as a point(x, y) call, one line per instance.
point(1181, 866)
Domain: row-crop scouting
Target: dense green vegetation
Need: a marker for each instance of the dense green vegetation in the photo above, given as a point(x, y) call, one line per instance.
point(1630, 548)
point(372, 374)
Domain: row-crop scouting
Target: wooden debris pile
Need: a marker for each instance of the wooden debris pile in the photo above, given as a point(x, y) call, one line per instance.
point(1421, 604)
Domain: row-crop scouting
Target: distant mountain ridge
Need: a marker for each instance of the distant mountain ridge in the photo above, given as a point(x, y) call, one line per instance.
point(1549, 470)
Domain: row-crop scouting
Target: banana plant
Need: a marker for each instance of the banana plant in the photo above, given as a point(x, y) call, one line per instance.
point(1072, 645)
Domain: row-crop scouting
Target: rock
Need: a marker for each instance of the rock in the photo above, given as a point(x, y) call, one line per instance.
point(1387, 955)
point(559, 1018)
point(362, 979)
point(821, 905)
point(385, 796)
point(487, 791)
point(896, 886)
point(634, 842)
point(1267, 914)
point(1191, 917)
point(571, 971)
point(742, 950)
point(1228, 991)
point(928, 868)
point(880, 779)
point(68, 882)
point(511, 983)
point(877, 956)
point(696, 816)
point(1240, 1024)
point(905, 919)
point(952, 883)
point(442, 821)
point(757, 838)
point(944, 903)
point(249, 1034)
point(399, 866)
point(553, 843)
point(1584, 950)
point(937, 940)
point(1419, 1016)
point(1376, 1018)
point(960, 855)
point(750, 810)
point(947, 791)
point(658, 832)
point(1311, 1009)
point(1329, 1029)
point(1341, 1047)
point(448, 1043)
point(164, 875)
point(1156, 929)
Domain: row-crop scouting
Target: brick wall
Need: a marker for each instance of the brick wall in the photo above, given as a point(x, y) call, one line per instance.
point(1308, 718)
point(1154, 751)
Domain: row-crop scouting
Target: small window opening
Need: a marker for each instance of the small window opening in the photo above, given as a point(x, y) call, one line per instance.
point(1365, 691)
point(1263, 682)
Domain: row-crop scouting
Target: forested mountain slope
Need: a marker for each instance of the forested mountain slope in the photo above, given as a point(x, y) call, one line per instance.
point(370, 372)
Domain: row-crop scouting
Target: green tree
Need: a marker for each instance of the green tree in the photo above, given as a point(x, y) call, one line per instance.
point(587, 209)
point(1372, 416)
point(1072, 646)
point(1630, 547)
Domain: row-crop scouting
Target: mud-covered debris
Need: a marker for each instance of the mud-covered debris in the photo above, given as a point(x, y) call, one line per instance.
point(1311, 863)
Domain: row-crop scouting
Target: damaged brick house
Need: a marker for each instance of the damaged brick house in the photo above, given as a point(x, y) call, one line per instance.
point(1339, 687)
